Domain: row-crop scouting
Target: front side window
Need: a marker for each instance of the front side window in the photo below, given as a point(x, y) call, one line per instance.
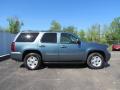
point(49, 38)
point(27, 37)
point(68, 39)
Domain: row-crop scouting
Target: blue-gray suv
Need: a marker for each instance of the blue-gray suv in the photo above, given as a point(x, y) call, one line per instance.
point(38, 48)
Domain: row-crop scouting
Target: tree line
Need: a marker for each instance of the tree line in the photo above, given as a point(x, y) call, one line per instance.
point(14, 25)
point(107, 34)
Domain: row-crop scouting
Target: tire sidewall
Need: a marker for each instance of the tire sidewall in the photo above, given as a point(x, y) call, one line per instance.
point(35, 55)
point(89, 61)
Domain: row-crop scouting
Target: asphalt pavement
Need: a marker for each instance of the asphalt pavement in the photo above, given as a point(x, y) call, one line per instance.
point(13, 76)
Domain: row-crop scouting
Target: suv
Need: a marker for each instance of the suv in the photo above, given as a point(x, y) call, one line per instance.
point(38, 48)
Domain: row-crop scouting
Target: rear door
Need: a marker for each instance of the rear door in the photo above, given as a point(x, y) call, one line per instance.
point(49, 46)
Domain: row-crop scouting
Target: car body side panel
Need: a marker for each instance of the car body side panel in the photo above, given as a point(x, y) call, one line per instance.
point(70, 52)
point(91, 47)
point(49, 52)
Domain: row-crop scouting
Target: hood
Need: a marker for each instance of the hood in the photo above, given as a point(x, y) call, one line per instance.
point(94, 44)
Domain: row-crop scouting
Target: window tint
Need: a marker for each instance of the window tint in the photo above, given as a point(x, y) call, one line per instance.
point(68, 39)
point(49, 38)
point(27, 37)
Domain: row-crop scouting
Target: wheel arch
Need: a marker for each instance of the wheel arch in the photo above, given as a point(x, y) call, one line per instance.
point(96, 51)
point(31, 51)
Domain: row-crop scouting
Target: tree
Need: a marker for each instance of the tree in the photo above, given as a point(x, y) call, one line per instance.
point(113, 33)
point(81, 33)
point(55, 26)
point(70, 29)
point(103, 31)
point(93, 33)
point(14, 25)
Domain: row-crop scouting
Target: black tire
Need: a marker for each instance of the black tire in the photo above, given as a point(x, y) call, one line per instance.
point(90, 63)
point(38, 59)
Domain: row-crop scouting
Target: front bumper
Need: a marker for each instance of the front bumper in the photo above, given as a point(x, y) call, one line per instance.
point(17, 56)
point(115, 49)
point(108, 56)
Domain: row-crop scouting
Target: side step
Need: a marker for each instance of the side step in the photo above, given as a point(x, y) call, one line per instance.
point(78, 62)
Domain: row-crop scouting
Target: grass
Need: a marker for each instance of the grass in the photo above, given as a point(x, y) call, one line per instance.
point(110, 48)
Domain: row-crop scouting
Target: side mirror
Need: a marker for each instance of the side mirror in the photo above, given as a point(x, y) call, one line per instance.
point(78, 42)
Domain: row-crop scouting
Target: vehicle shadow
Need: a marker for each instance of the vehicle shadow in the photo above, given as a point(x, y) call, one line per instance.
point(107, 65)
point(60, 66)
point(65, 66)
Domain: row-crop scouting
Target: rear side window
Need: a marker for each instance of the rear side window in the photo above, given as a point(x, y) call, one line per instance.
point(49, 38)
point(27, 37)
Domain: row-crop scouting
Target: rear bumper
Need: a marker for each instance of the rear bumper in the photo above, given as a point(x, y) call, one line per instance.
point(17, 56)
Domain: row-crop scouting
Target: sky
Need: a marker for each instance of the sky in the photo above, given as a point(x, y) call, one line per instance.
point(38, 14)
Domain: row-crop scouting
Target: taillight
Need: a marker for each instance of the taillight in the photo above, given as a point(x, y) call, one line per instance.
point(13, 47)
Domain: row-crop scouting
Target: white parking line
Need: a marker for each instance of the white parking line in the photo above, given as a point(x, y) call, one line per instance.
point(4, 55)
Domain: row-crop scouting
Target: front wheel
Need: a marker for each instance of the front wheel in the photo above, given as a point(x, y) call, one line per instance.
point(95, 61)
point(32, 61)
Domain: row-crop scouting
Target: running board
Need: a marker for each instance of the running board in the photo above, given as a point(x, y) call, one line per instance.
point(64, 62)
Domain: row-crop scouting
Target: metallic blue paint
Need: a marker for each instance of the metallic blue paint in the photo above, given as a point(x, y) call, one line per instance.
point(59, 52)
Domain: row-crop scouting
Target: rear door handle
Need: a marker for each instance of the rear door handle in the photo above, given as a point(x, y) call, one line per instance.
point(42, 46)
point(63, 46)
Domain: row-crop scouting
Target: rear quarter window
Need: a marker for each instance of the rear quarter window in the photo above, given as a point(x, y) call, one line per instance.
point(27, 37)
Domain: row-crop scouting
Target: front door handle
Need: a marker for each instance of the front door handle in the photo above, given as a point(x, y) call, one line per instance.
point(42, 46)
point(63, 46)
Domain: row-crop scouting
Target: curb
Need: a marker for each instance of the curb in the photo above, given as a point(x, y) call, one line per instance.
point(4, 57)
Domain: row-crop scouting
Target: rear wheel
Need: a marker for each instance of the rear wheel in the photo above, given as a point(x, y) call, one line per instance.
point(32, 61)
point(95, 61)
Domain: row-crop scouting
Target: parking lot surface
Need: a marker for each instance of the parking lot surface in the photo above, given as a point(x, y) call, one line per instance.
point(13, 76)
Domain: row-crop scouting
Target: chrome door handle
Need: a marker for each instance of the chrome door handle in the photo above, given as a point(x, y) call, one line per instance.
point(42, 46)
point(63, 46)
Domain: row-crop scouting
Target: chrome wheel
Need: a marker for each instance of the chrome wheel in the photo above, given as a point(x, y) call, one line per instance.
point(96, 61)
point(32, 62)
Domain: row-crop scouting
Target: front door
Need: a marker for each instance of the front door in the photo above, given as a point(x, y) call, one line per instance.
point(69, 49)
